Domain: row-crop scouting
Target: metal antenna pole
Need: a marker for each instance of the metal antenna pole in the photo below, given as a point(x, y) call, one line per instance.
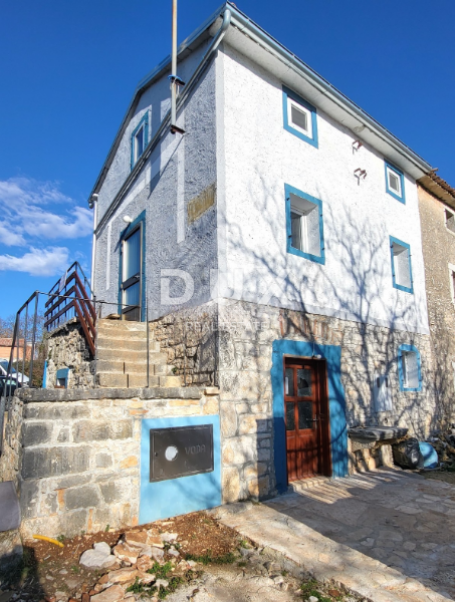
point(174, 64)
point(175, 80)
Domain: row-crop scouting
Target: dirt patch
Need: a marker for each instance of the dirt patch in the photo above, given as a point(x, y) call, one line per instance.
point(54, 573)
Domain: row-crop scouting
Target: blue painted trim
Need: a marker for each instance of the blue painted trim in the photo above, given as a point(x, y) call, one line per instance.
point(45, 375)
point(287, 93)
point(288, 190)
point(399, 173)
point(337, 405)
point(164, 499)
point(406, 289)
point(63, 373)
point(140, 220)
point(402, 348)
point(143, 122)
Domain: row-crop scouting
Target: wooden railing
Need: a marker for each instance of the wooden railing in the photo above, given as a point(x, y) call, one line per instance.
point(70, 298)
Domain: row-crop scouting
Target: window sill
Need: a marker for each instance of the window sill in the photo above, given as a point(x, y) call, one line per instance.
point(314, 258)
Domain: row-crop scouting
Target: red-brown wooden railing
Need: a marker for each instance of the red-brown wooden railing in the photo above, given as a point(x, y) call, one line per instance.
point(70, 297)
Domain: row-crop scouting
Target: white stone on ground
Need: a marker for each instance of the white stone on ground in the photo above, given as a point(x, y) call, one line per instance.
point(98, 558)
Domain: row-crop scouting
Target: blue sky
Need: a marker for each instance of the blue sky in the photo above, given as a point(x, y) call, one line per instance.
point(68, 71)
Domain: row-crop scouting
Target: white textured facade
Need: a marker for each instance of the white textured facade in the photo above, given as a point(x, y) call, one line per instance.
point(259, 157)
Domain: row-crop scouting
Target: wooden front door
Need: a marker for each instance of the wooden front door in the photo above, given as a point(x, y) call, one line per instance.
point(306, 418)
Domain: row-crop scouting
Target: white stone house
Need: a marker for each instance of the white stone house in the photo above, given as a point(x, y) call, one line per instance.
point(276, 248)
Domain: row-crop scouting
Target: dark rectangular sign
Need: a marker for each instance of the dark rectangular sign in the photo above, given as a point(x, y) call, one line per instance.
point(180, 451)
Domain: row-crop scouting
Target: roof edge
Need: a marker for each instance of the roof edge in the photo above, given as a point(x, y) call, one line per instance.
point(144, 83)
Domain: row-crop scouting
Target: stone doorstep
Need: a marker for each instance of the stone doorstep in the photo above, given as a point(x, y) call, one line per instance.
point(303, 484)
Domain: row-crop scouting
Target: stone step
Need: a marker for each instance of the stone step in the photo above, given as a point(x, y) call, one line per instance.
point(121, 325)
point(116, 335)
point(125, 344)
point(128, 367)
point(131, 356)
point(113, 379)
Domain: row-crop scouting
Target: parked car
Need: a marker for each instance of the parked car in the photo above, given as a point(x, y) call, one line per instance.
point(8, 386)
point(14, 374)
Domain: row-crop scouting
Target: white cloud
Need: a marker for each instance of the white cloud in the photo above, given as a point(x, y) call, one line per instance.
point(38, 262)
point(50, 225)
point(34, 211)
point(9, 237)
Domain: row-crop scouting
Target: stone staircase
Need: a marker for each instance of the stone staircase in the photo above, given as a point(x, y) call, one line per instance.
point(121, 357)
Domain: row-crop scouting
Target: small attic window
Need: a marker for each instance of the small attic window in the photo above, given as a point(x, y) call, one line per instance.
point(394, 182)
point(299, 117)
point(450, 220)
point(139, 140)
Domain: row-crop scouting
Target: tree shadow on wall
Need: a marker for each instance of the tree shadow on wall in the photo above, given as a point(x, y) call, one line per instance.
point(374, 318)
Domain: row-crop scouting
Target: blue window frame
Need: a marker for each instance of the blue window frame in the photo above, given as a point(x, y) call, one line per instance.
point(400, 255)
point(304, 225)
point(139, 139)
point(394, 182)
point(300, 117)
point(409, 368)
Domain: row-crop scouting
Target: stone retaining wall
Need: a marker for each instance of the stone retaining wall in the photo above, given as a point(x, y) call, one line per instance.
point(189, 338)
point(81, 454)
point(68, 348)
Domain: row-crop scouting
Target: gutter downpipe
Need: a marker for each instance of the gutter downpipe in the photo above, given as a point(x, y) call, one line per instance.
point(167, 119)
point(94, 204)
point(267, 42)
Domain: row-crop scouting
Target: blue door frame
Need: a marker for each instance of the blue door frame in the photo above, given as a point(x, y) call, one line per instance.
point(337, 405)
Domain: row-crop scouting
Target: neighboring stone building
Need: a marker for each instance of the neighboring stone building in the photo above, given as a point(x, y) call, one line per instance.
point(275, 245)
point(437, 213)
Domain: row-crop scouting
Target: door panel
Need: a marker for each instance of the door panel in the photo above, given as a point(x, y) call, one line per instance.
point(132, 276)
point(306, 418)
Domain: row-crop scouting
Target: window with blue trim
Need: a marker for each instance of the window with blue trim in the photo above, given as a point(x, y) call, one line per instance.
point(409, 368)
point(61, 378)
point(139, 139)
point(300, 117)
point(305, 234)
point(394, 182)
point(400, 253)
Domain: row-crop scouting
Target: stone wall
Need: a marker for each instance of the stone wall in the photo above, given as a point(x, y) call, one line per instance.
point(80, 467)
point(439, 252)
point(189, 338)
point(247, 332)
point(10, 461)
point(68, 348)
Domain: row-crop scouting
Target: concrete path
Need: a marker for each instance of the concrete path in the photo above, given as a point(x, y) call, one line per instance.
point(386, 535)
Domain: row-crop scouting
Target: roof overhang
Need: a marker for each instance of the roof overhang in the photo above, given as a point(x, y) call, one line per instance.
point(438, 188)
